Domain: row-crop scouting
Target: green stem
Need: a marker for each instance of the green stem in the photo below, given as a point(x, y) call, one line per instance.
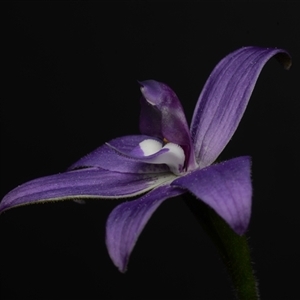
point(232, 248)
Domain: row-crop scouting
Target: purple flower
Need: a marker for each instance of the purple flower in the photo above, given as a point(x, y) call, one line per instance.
point(168, 158)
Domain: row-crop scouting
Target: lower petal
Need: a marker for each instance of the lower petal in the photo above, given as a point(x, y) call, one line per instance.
point(226, 188)
point(126, 222)
point(80, 184)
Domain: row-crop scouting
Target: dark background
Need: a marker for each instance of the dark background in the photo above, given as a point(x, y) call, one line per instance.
point(68, 84)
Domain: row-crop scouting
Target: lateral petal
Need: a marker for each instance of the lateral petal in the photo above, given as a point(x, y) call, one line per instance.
point(224, 98)
point(80, 184)
point(126, 222)
point(107, 158)
point(226, 188)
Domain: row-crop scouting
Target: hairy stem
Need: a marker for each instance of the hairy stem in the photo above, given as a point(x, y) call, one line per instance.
point(232, 248)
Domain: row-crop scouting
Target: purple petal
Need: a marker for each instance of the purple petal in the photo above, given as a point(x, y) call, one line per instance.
point(162, 116)
point(224, 98)
point(225, 187)
point(84, 183)
point(107, 158)
point(153, 152)
point(126, 222)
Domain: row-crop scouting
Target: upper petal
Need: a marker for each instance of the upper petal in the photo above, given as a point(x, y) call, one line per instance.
point(127, 220)
point(162, 116)
point(106, 158)
point(225, 187)
point(224, 98)
point(84, 183)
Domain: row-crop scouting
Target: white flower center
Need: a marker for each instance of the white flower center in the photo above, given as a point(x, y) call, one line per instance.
point(174, 157)
point(150, 146)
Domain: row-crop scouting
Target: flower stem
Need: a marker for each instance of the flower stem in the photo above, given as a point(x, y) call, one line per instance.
point(232, 248)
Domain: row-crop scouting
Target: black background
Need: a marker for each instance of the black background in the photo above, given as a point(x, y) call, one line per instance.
point(68, 84)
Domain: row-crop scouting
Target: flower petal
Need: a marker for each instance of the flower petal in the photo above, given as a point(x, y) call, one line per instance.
point(225, 187)
point(162, 116)
point(80, 184)
point(153, 152)
point(107, 158)
point(224, 98)
point(126, 222)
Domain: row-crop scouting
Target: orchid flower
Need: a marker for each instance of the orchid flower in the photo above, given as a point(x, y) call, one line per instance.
point(168, 158)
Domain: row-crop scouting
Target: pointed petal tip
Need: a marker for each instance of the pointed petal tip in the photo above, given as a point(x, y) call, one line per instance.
point(281, 55)
point(240, 230)
point(122, 265)
point(140, 83)
point(148, 84)
point(120, 262)
point(285, 59)
point(123, 270)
